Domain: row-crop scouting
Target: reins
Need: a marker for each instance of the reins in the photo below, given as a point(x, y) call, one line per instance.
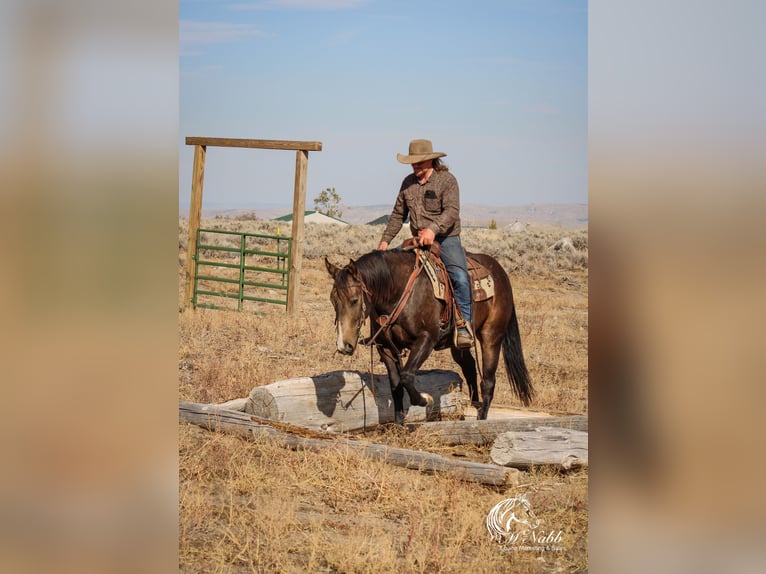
point(385, 321)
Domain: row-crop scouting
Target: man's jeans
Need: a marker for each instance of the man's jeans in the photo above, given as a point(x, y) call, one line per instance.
point(453, 256)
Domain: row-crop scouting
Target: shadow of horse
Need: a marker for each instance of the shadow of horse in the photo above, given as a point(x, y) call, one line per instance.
point(347, 397)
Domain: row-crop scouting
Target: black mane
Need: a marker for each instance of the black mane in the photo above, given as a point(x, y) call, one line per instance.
point(375, 270)
point(376, 275)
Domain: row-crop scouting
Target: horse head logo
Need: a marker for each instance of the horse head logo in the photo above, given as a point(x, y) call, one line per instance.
point(501, 519)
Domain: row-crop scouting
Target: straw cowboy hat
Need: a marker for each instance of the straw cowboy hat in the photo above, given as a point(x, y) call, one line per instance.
point(420, 150)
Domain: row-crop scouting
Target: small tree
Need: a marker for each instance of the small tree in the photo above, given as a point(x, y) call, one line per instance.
point(492, 224)
point(328, 202)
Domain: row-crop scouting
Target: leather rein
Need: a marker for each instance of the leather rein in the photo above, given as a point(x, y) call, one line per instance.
point(385, 321)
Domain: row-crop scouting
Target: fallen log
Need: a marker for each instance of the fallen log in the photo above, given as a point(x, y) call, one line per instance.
point(484, 432)
point(215, 418)
point(343, 401)
point(564, 448)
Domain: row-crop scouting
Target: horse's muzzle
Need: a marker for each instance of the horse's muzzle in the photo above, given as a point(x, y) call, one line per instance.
point(346, 349)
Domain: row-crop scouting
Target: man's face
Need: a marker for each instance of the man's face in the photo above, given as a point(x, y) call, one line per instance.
point(421, 168)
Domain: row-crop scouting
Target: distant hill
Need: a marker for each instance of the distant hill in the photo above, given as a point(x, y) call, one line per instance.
point(564, 215)
point(473, 215)
point(382, 220)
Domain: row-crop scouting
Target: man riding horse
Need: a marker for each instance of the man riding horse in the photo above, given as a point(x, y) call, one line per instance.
point(431, 197)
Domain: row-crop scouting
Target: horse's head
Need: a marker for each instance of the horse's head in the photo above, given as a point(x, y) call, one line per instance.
point(348, 298)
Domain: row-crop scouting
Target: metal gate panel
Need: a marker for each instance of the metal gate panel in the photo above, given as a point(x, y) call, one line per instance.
point(238, 271)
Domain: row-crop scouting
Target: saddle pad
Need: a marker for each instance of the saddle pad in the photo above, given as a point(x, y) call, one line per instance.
point(482, 284)
point(436, 272)
point(483, 288)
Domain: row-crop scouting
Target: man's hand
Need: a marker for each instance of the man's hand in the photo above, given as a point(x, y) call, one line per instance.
point(426, 237)
point(382, 246)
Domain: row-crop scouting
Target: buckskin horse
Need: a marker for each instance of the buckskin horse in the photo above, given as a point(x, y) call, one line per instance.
point(376, 285)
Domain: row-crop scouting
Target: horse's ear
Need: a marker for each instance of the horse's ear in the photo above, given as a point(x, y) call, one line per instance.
point(331, 269)
point(352, 268)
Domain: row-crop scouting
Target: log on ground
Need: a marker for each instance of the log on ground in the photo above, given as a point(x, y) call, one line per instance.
point(564, 448)
point(343, 401)
point(251, 427)
point(486, 431)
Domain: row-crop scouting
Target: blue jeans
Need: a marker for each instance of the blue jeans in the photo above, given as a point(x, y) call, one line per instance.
point(453, 256)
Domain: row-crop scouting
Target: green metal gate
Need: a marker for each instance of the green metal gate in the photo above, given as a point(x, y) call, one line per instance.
point(242, 267)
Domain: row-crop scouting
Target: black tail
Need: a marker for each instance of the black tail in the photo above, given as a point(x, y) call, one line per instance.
point(514, 362)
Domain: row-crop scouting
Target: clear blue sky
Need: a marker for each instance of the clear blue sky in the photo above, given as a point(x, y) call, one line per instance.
point(500, 86)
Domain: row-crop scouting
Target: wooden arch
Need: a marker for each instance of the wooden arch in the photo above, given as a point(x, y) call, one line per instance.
point(302, 150)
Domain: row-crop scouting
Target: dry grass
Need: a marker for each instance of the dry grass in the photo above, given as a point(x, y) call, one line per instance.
point(256, 507)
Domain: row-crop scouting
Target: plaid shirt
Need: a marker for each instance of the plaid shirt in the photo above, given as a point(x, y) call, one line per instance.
point(435, 205)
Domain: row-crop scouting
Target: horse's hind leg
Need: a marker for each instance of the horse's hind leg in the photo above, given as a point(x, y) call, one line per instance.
point(490, 353)
point(467, 365)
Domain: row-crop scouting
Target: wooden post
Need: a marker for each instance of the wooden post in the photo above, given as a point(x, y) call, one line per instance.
point(195, 216)
point(296, 248)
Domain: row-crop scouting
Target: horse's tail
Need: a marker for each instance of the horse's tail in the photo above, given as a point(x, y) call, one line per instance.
point(514, 362)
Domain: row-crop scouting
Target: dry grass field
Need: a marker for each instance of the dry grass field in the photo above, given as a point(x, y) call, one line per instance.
point(256, 507)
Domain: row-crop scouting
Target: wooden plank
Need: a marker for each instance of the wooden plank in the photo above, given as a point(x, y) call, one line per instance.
point(195, 216)
point(251, 143)
point(247, 426)
point(343, 401)
point(484, 432)
point(564, 448)
point(296, 246)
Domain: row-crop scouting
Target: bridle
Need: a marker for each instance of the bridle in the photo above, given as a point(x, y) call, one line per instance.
point(366, 294)
point(385, 321)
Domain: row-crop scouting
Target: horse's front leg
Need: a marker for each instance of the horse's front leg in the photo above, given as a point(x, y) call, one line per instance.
point(419, 352)
point(393, 367)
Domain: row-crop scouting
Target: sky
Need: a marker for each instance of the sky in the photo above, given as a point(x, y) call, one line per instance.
point(500, 86)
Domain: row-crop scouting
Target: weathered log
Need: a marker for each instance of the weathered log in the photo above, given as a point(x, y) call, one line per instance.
point(343, 401)
point(544, 446)
point(223, 420)
point(484, 432)
point(233, 404)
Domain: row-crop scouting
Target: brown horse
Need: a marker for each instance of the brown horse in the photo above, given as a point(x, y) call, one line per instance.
point(372, 286)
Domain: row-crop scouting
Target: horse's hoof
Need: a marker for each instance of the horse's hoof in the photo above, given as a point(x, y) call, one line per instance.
point(429, 400)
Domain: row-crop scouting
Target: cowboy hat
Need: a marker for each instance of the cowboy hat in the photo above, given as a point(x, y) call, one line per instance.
point(420, 150)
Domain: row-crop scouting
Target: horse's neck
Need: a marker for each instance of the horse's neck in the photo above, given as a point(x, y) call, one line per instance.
point(384, 299)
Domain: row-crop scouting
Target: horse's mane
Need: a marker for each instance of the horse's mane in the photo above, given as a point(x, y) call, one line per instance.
point(376, 273)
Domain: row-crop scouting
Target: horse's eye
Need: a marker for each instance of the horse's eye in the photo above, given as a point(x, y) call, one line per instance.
point(355, 301)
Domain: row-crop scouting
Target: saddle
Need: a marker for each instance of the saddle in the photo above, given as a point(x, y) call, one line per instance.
point(480, 279)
